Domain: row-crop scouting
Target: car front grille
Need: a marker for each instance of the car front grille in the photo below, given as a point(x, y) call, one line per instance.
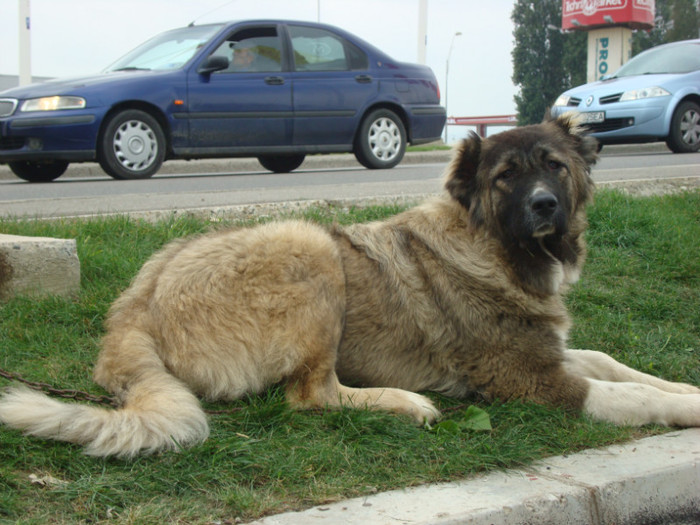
point(610, 99)
point(573, 102)
point(611, 124)
point(7, 106)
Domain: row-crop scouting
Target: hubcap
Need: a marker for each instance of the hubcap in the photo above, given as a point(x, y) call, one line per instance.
point(690, 127)
point(384, 139)
point(135, 145)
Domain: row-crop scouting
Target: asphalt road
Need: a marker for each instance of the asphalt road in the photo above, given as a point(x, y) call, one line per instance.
point(226, 183)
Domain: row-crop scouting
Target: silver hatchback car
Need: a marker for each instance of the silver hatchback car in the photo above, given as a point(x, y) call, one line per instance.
point(653, 97)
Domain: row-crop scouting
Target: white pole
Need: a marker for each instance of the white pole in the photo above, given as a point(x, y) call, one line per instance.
point(447, 76)
point(422, 30)
point(25, 62)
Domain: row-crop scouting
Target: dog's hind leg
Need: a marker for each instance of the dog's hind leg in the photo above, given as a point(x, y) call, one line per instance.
point(326, 391)
point(597, 365)
point(314, 384)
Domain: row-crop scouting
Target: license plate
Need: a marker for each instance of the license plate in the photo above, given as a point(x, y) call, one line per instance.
point(593, 117)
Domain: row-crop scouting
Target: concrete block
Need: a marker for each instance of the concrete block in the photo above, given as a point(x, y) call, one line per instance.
point(38, 266)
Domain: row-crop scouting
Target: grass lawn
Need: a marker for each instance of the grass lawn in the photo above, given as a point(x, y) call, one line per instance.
point(639, 300)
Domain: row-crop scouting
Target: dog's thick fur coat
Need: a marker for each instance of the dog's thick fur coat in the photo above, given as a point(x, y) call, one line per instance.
point(461, 294)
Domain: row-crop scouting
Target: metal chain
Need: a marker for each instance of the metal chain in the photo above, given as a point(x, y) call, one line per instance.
point(78, 395)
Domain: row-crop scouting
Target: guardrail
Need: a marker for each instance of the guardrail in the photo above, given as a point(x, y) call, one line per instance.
point(482, 123)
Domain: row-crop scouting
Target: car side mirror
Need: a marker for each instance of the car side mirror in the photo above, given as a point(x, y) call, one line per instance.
point(213, 63)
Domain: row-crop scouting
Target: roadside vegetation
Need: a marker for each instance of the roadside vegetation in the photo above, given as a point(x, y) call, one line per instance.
point(638, 300)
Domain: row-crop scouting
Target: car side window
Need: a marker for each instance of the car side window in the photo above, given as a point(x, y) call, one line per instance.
point(252, 50)
point(320, 50)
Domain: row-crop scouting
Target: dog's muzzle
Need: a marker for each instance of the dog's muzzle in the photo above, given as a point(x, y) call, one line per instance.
point(543, 207)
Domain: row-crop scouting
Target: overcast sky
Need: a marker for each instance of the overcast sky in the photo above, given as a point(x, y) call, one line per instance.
point(78, 37)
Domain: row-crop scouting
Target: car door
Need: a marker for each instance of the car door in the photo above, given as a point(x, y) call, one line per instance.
point(331, 86)
point(248, 105)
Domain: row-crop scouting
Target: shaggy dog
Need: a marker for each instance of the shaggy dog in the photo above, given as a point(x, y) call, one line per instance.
point(460, 294)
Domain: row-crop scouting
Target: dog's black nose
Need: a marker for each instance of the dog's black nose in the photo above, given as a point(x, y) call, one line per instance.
point(544, 204)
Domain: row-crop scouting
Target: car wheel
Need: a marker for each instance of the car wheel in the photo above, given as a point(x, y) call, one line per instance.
point(684, 136)
point(132, 146)
point(281, 163)
point(33, 171)
point(381, 140)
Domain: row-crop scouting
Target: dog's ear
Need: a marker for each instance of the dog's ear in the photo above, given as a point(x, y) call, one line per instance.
point(461, 174)
point(585, 145)
point(547, 115)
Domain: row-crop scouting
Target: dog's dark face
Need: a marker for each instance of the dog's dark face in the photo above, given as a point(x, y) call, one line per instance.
point(528, 187)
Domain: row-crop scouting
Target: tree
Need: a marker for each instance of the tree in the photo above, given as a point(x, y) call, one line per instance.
point(575, 58)
point(675, 20)
point(684, 15)
point(537, 57)
point(642, 40)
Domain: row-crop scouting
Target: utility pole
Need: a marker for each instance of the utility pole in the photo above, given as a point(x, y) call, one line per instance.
point(447, 76)
point(422, 30)
point(25, 59)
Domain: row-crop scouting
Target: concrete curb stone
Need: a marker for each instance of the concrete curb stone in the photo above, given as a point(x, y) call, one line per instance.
point(651, 480)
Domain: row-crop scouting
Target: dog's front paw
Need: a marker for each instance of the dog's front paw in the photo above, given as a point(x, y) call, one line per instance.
point(421, 409)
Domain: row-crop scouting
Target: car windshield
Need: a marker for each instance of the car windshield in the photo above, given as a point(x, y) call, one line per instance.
point(169, 50)
point(682, 58)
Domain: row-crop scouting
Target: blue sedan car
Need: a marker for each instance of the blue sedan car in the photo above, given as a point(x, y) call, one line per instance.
point(271, 89)
point(653, 97)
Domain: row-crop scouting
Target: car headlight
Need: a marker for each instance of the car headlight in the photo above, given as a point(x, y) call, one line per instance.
point(53, 103)
point(563, 100)
point(638, 94)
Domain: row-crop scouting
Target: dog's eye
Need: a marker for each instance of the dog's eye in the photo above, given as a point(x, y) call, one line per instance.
point(507, 174)
point(554, 165)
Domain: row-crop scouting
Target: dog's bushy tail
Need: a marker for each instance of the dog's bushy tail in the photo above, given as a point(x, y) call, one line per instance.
point(159, 413)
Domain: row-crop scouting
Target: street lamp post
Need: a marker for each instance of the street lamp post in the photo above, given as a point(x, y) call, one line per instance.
point(25, 55)
point(447, 76)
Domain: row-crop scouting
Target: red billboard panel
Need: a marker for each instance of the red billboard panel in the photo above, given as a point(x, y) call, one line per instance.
point(588, 14)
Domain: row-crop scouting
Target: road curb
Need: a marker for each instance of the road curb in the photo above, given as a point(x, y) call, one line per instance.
point(232, 165)
point(339, 160)
point(286, 208)
point(651, 480)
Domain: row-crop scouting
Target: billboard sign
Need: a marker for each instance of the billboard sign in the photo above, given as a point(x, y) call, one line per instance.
point(587, 14)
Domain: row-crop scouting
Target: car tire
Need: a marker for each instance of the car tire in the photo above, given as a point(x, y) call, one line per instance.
point(33, 171)
point(281, 163)
point(381, 140)
point(684, 135)
point(132, 145)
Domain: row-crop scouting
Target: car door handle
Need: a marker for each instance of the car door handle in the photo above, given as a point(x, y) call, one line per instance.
point(274, 81)
point(363, 79)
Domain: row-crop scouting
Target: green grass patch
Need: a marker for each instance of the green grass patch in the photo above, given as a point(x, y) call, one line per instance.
point(435, 146)
point(638, 300)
